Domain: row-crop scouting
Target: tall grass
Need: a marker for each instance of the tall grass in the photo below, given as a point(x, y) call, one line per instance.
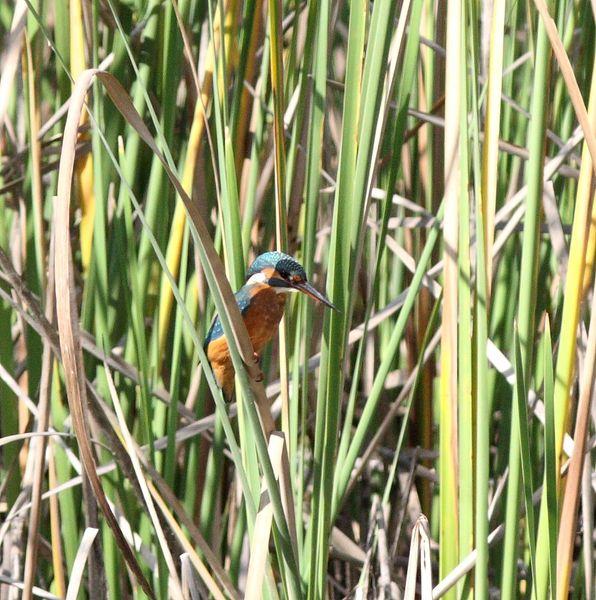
point(431, 165)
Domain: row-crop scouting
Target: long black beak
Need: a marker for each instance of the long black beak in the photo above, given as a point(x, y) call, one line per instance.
point(309, 290)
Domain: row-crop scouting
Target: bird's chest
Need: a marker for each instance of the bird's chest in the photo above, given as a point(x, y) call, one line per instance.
point(263, 315)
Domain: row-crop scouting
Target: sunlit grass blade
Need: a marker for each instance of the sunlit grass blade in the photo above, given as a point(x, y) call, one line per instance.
point(448, 465)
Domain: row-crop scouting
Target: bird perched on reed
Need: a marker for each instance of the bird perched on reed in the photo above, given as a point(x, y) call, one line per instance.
point(261, 302)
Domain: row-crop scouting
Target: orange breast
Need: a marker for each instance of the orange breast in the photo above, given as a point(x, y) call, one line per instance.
point(263, 315)
point(262, 319)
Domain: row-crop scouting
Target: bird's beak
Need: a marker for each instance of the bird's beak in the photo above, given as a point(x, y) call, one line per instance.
point(309, 290)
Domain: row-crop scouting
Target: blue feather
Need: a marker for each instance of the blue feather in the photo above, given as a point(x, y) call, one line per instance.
point(242, 296)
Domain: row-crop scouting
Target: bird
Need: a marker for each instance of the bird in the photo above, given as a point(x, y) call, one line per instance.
point(261, 302)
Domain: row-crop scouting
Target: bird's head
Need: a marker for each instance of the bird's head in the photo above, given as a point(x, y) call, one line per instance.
point(283, 273)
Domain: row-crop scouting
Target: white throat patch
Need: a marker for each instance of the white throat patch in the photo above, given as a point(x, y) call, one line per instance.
point(262, 278)
point(257, 278)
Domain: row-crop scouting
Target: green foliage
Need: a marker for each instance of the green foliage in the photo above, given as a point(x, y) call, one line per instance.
point(319, 128)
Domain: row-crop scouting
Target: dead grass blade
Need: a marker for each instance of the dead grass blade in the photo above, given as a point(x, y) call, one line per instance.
point(190, 587)
point(57, 548)
point(420, 543)
point(175, 585)
point(79, 564)
point(165, 499)
point(198, 564)
point(567, 528)
point(259, 549)
point(36, 590)
point(68, 325)
point(383, 557)
point(10, 57)
point(39, 451)
point(410, 591)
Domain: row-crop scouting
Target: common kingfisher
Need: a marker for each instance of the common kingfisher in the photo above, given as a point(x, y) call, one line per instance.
point(261, 302)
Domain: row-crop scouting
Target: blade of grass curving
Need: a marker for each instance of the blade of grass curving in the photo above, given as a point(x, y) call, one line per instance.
point(68, 322)
point(212, 265)
point(79, 566)
point(127, 109)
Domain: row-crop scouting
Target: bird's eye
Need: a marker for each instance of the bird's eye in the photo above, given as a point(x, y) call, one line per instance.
point(296, 279)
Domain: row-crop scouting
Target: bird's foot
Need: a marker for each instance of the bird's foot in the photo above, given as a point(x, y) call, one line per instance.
point(258, 376)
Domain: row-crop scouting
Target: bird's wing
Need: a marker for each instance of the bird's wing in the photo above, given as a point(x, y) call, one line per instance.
point(242, 296)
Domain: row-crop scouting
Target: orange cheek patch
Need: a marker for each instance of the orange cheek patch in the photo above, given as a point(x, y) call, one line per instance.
point(270, 272)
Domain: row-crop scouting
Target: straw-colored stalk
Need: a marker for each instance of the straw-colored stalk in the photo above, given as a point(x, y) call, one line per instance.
point(448, 383)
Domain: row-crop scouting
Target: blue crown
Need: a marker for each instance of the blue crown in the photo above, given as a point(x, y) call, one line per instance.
point(282, 263)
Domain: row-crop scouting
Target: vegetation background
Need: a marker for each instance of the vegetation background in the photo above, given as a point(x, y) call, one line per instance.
point(431, 164)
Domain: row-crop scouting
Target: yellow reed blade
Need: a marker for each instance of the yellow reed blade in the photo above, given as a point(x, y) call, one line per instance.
point(83, 166)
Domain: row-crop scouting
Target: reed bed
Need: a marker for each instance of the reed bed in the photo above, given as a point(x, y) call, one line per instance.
point(432, 166)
